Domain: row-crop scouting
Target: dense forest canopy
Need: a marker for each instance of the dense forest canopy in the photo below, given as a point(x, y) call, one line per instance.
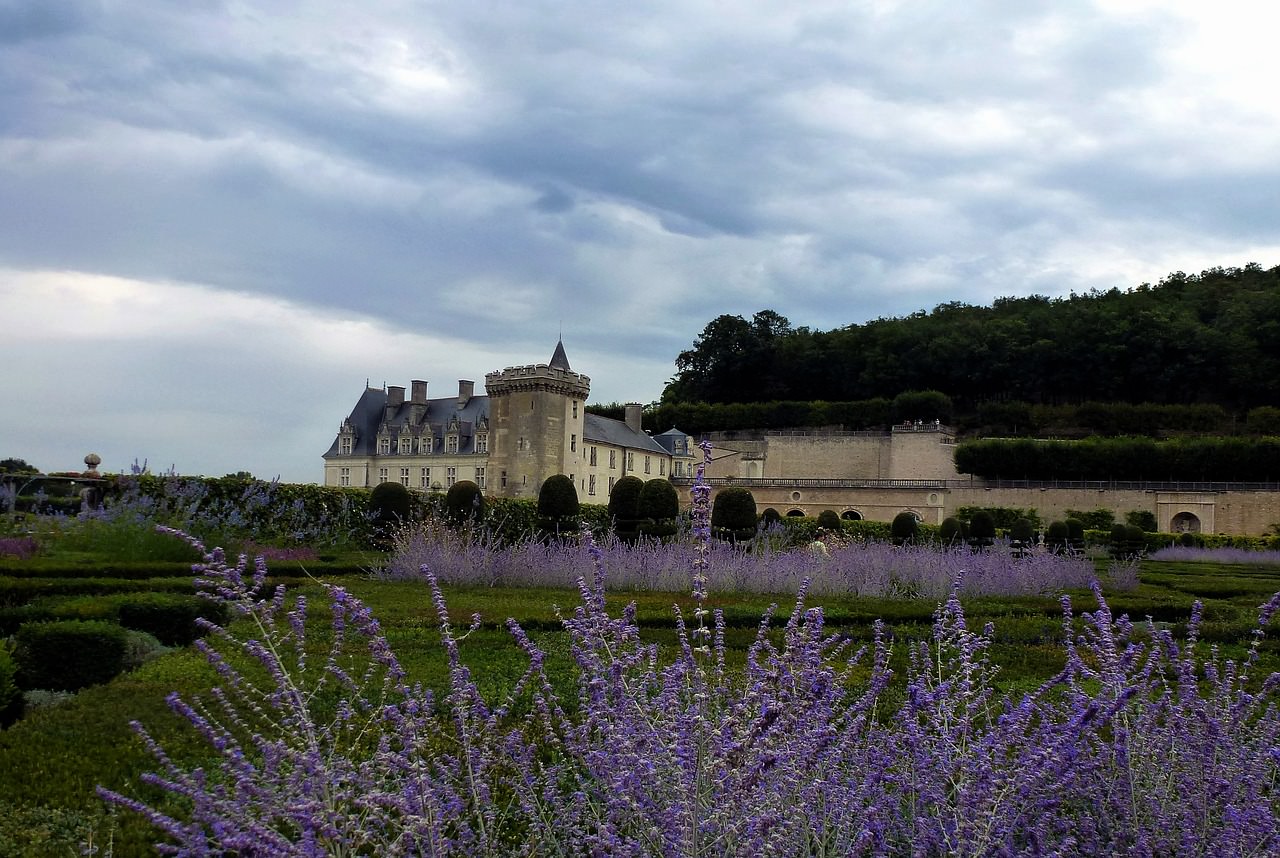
point(1207, 338)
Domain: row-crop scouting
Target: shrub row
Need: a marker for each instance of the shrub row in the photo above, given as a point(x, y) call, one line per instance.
point(1126, 458)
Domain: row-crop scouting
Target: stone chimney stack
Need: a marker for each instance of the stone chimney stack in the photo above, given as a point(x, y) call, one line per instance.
point(395, 398)
point(632, 415)
point(419, 395)
point(466, 389)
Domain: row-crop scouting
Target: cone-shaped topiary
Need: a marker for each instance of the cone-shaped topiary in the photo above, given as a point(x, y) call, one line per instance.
point(733, 514)
point(904, 528)
point(557, 503)
point(464, 502)
point(659, 506)
point(624, 506)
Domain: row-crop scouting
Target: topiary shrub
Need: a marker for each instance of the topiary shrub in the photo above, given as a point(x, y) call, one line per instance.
point(1057, 537)
point(905, 528)
point(1075, 534)
point(829, 519)
point(770, 516)
point(69, 655)
point(464, 502)
point(10, 694)
point(1187, 539)
point(389, 506)
point(558, 505)
point(951, 531)
point(624, 505)
point(733, 514)
point(982, 530)
point(659, 506)
point(1022, 536)
point(171, 617)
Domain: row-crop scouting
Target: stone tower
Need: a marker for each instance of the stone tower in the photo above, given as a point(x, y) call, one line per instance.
point(535, 424)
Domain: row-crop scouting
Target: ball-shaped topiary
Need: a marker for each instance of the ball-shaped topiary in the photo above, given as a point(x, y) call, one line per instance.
point(770, 515)
point(1075, 534)
point(1056, 536)
point(904, 528)
point(557, 502)
point(829, 519)
point(982, 529)
point(1023, 530)
point(464, 502)
point(733, 514)
point(951, 531)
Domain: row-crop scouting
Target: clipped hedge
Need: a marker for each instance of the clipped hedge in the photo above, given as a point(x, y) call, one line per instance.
point(171, 618)
point(69, 655)
point(10, 694)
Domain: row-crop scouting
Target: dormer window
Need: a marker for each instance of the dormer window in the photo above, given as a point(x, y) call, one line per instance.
point(345, 444)
point(451, 442)
point(425, 443)
point(384, 447)
point(482, 442)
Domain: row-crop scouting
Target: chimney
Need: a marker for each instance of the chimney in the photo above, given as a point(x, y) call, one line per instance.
point(419, 393)
point(395, 398)
point(465, 391)
point(631, 414)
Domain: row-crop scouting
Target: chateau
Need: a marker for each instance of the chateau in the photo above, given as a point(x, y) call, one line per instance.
point(530, 423)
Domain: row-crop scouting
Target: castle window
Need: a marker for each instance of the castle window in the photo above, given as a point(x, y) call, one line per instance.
point(406, 445)
point(451, 443)
point(662, 467)
point(646, 464)
point(631, 461)
point(404, 476)
point(450, 476)
point(382, 475)
point(504, 479)
point(573, 443)
point(480, 478)
point(591, 484)
point(613, 461)
point(384, 446)
point(593, 457)
point(575, 409)
point(482, 442)
point(612, 480)
point(345, 477)
point(344, 446)
point(426, 478)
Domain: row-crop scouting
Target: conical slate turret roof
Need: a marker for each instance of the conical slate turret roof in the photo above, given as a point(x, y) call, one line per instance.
point(559, 360)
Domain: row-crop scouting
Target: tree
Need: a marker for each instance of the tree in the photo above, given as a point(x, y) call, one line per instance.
point(624, 505)
point(982, 530)
point(904, 528)
point(733, 514)
point(464, 502)
point(557, 503)
point(17, 466)
point(659, 505)
point(390, 505)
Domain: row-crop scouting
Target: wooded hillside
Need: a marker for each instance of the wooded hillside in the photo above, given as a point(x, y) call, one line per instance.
point(1207, 338)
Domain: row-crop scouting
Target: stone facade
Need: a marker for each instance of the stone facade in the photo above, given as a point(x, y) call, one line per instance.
point(876, 475)
point(531, 423)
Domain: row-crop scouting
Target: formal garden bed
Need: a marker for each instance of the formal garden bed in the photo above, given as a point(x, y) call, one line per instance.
point(730, 727)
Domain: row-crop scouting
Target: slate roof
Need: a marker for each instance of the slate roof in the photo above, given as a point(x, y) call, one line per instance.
point(559, 360)
point(367, 417)
point(606, 430)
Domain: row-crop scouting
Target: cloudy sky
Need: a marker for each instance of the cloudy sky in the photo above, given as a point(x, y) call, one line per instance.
point(219, 219)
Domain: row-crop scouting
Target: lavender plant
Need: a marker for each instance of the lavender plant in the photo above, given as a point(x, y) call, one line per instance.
point(811, 748)
point(1186, 554)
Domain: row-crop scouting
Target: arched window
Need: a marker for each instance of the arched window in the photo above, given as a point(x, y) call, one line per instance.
point(851, 515)
point(1185, 522)
point(795, 513)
